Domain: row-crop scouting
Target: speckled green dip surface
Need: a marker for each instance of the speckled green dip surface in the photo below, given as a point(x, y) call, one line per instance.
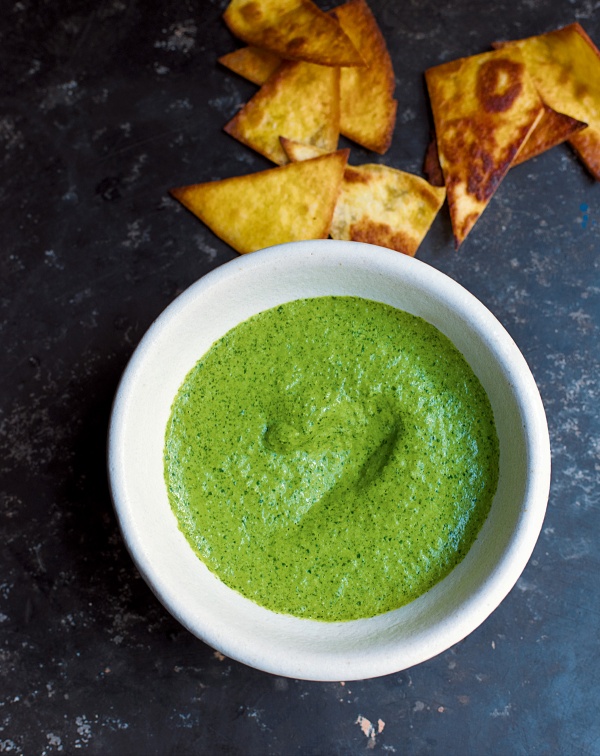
point(331, 458)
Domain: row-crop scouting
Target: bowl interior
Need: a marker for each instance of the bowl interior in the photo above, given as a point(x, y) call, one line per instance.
point(286, 645)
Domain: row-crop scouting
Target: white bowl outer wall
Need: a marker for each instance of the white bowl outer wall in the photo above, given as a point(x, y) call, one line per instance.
point(286, 645)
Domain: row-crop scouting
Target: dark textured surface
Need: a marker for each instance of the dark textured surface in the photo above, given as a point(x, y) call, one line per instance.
point(103, 107)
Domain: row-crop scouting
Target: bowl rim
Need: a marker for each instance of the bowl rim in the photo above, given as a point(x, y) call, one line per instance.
point(483, 602)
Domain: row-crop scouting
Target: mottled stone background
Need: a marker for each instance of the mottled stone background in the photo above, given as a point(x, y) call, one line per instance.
point(103, 107)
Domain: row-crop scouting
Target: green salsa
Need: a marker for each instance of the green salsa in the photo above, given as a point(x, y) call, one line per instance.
point(331, 458)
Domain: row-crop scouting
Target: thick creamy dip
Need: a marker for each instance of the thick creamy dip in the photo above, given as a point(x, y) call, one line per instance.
point(331, 458)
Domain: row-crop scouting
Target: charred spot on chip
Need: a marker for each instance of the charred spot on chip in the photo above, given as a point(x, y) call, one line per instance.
point(296, 44)
point(486, 166)
point(355, 177)
point(251, 12)
point(482, 189)
point(499, 83)
point(382, 235)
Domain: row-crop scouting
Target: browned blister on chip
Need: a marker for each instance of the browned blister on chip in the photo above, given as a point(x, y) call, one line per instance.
point(301, 101)
point(368, 107)
point(380, 205)
point(565, 66)
point(294, 29)
point(484, 108)
point(553, 129)
point(291, 203)
point(252, 63)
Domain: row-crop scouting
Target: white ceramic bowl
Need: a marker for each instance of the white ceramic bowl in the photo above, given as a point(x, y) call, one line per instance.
point(287, 645)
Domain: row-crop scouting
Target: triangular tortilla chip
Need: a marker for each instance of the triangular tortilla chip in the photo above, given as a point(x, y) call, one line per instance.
point(368, 107)
point(252, 63)
point(565, 66)
point(552, 129)
point(291, 203)
point(300, 101)
point(484, 108)
point(294, 29)
point(384, 206)
point(380, 205)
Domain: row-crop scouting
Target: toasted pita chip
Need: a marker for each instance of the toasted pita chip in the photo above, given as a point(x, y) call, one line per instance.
point(565, 66)
point(300, 101)
point(252, 63)
point(294, 29)
point(380, 205)
point(291, 203)
point(484, 108)
point(368, 107)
